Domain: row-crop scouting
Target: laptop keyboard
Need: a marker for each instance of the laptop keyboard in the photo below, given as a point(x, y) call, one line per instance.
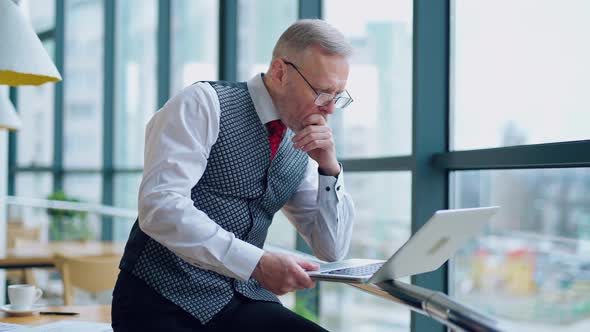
point(358, 270)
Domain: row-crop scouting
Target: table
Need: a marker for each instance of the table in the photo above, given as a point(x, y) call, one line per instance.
point(90, 313)
point(43, 254)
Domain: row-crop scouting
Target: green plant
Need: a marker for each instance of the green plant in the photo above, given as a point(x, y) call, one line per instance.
point(67, 224)
point(303, 311)
point(306, 304)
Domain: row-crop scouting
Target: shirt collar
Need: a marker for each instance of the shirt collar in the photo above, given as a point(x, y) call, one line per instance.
point(263, 104)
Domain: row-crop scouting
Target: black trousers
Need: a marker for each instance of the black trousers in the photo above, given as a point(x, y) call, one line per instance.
point(137, 307)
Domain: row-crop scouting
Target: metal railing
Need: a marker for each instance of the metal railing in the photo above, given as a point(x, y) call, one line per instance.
point(71, 206)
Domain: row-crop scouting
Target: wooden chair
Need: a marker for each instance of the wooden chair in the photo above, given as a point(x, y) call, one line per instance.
point(18, 235)
point(91, 274)
point(16, 232)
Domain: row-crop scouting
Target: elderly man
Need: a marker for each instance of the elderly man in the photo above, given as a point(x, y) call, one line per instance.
point(221, 158)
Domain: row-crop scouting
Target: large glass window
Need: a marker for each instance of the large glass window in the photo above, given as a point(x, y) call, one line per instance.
point(135, 78)
point(125, 196)
point(41, 13)
point(520, 72)
point(382, 225)
point(36, 109)
point(379, 121)
point(530, 268)
point(86, 188)
point(32, 185)
point(194, 42)
point(261, 22)
point(83, 83)
point(282, 234)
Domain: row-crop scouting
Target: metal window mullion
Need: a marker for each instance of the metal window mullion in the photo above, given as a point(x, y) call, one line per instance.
point(228, 40)
point(164, 50)
point(548, 155)
point(401, 163)
point(12, 147)
point(134, 170)
point(307, 9)
point(69, 171)
point(309, 298)
point(108, 115)
point(430, 131)
point(33, 169)
point(58, 121)
point(310, 9)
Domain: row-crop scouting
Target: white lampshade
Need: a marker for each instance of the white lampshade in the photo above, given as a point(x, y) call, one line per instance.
point(23, 60)
point(8, 117)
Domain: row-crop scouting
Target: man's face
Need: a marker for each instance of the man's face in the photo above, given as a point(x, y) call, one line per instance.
point(325, 73)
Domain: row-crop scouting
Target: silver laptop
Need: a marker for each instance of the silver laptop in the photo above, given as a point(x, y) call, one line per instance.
point(429, 248)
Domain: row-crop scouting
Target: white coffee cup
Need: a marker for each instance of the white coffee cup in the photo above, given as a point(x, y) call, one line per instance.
point(22, 297)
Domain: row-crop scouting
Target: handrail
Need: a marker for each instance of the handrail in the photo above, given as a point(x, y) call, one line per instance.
point(421, 300)
point(72, 206)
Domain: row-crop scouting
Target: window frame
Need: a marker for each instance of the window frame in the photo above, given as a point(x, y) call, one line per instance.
point(430, 162)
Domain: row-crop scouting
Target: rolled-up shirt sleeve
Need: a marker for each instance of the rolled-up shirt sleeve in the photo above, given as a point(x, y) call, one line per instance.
point(323, 213)
point(178, 140)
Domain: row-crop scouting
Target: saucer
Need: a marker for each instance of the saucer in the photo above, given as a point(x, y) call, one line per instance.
point(21, 312)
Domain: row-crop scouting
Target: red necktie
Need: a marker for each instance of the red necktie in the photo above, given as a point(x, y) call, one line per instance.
point(276, 130)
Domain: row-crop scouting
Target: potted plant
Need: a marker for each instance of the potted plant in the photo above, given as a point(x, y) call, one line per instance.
point(68, 225)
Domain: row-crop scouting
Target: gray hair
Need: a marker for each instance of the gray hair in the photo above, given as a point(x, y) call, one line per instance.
point(312, 32)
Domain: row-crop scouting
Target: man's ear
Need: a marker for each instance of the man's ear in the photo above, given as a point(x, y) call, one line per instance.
point(278, 71)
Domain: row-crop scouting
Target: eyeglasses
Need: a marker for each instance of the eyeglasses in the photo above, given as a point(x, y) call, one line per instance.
point(341, 100)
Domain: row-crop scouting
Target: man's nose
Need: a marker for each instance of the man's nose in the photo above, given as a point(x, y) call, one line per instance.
point(328, 108)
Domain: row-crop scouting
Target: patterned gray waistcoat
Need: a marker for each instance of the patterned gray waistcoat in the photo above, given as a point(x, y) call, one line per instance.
point(241, 190)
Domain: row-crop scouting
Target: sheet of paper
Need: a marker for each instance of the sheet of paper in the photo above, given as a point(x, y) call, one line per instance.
point(4, 327)
point(67, 326)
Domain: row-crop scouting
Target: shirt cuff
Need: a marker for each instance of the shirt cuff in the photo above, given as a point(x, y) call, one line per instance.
point(332, 187)
point(242, 258)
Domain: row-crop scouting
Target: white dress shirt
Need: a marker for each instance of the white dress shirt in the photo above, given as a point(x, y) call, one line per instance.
point(177, 144)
